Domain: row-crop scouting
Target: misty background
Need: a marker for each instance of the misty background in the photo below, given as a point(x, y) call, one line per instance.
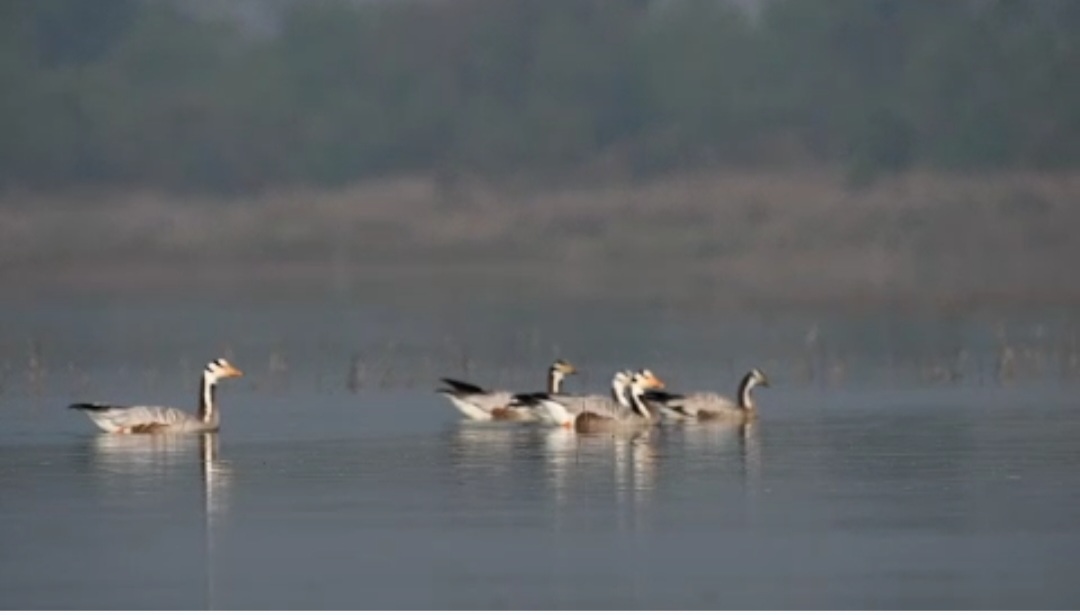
point(715, 152)
point(874, 202)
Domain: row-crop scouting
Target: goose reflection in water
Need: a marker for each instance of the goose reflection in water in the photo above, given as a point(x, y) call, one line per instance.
point(154, 458)
point(726, 451)
point(140, 466)
point(564, 458)
point(578, 466)
point(719, 440)
point(571, 458)
point(477, 446)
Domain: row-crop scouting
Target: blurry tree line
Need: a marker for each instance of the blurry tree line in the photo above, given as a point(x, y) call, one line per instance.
point(143, 92)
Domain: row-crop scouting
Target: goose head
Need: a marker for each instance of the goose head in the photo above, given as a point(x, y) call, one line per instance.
point(563, 367)
point(219, 369)
point(559, 370)
point(753, 378)
point(621, 380)
point(645, 379)
point(758, 378)
point(642, 381)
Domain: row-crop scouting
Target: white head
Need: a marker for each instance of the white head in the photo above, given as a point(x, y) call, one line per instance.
point(219, 369)
point(758, 378)
point(621, 380)
point(558, 371)
point(643, 380)
point(215, 370)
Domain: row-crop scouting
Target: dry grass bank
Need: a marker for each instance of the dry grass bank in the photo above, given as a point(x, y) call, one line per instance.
point(718, 238)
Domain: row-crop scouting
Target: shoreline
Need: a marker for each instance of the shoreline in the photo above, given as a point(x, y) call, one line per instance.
point(723, 239)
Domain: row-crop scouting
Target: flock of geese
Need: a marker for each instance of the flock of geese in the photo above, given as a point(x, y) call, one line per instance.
point(637, 398)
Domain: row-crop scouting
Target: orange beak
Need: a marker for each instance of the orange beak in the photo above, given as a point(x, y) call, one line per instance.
point(653, 381)
point(232, 372)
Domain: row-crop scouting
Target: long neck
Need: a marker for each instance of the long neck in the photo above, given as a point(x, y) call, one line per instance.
point(207, 402)
point(618, 394)
point(555, 378)
point(637, 405)
point(746, 402)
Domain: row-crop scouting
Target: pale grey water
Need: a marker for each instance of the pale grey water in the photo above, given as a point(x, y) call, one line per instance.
point(872, 481)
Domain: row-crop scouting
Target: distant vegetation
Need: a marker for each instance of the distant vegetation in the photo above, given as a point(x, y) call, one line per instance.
point(143, 93)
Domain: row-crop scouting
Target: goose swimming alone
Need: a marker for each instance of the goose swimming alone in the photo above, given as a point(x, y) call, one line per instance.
point(707, 405)
point(481, 404)
point(162, 419)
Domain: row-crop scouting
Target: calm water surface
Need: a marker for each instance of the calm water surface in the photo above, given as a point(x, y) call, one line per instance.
point(867, 483)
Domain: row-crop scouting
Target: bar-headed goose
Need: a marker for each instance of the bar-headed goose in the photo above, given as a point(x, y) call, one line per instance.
point(635, 414)
point(708, 405)
point(481, 404)
point(561, 409)
point(591, 410)
point(162, 419)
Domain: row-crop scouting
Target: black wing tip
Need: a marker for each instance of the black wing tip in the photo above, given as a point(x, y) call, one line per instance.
point(460, 386)
point(661, 396)
point(89, 406)
point(527, 398)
